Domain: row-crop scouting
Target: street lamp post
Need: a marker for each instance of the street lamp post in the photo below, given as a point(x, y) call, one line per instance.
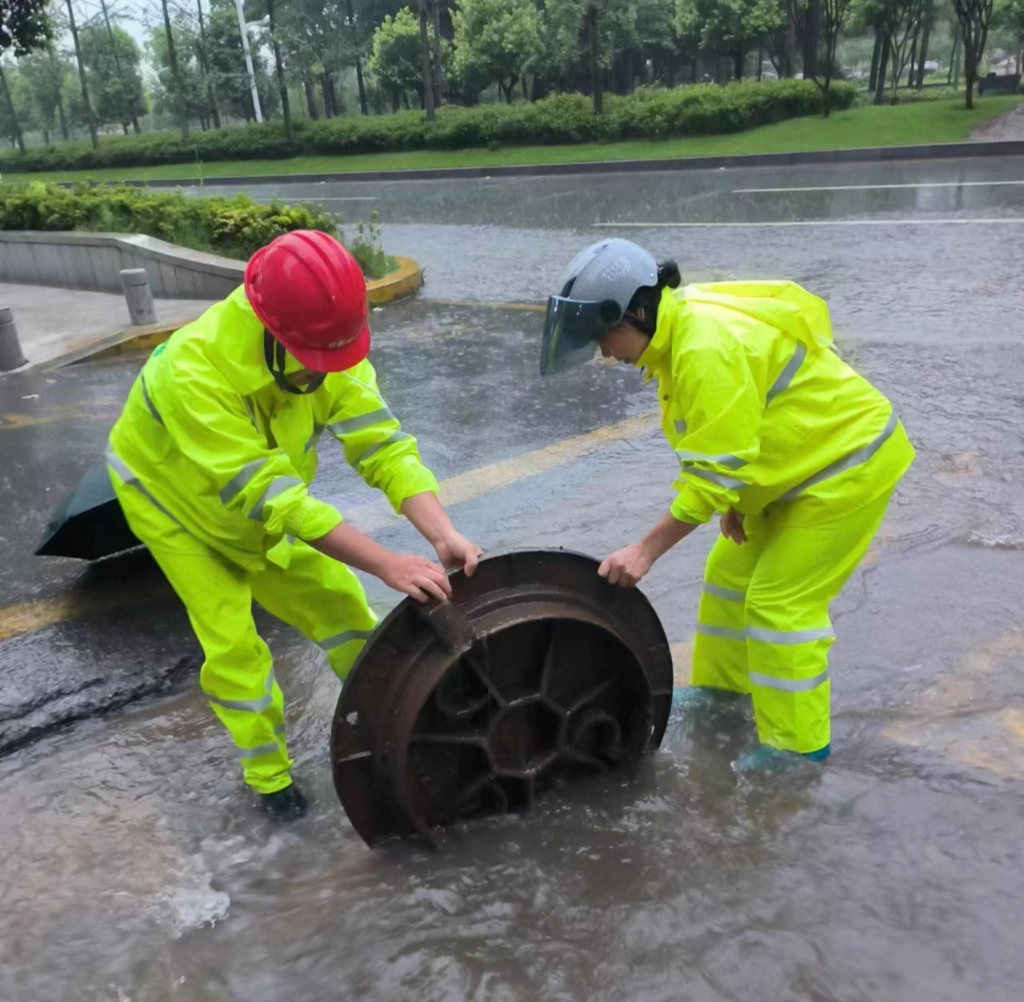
point(258, 111)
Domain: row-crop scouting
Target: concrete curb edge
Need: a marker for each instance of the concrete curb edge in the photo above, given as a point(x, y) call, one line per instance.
point(866, 154)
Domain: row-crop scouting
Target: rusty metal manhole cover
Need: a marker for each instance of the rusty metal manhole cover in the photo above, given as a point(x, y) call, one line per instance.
point(535, 670)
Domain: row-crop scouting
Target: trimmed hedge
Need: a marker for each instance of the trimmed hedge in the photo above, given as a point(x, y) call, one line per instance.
point(234, 227)
point(649, 113)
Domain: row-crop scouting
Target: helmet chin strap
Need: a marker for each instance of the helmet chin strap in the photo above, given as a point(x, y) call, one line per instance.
point(276, 356)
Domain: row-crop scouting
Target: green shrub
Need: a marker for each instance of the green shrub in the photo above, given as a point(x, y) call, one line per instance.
point(649, 113)
point(234, 227)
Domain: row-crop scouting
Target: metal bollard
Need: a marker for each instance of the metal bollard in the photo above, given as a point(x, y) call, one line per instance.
point(11, 356)
point(135, 283)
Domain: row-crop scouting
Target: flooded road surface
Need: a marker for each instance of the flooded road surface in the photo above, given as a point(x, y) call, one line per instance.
point(135, 867)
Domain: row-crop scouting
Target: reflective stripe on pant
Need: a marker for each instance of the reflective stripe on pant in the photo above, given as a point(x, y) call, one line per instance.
point(763, 625)
point(318, 596)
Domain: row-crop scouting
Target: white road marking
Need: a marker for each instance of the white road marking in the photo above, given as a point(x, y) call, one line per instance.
point(876, 187)
point(1015, 221)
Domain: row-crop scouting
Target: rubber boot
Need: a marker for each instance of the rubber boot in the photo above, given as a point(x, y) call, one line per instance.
point(286, 804)
point(769, 761)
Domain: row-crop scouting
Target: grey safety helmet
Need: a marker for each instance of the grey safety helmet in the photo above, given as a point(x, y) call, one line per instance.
point(595, 293)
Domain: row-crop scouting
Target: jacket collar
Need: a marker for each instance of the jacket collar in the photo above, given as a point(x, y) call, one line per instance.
point(659, 351)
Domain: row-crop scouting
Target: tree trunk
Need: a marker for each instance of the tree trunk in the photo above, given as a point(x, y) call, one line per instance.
point(812, 38)
point(282, 86)
point(595, 71)
point(132, 112)
point(789, 45)
point(438, 66)
point(912, 61)
point(922, 55)
point(739, 57)
point(327, 89)
point(876, 55)
point(204, 65)
point(428, 84)
point(62, 118)
point(363, 105)
point(135, 126)
point(760, 63)
point(179, 84)
point(883, 66)
point(10, 111)
point(307, 86)
point(90, 117)
point(970, 72)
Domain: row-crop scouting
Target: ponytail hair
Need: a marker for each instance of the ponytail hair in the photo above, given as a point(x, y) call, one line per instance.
point(648, 297)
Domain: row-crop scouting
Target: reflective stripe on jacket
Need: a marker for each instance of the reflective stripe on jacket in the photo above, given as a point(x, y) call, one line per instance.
point(761, 411)
point(209, 438)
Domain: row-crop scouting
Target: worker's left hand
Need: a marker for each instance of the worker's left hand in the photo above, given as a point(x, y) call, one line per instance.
point(626, 567)
point(456, 552)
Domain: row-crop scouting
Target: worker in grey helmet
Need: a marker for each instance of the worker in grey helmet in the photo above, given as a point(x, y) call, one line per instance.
point(775, 434)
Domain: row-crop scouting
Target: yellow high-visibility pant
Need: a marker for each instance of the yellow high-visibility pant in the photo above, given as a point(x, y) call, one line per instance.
point(320, 597)
point(763, 625)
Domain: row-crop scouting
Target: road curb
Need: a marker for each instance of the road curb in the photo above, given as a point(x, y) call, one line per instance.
point(405, 281)
point(865, 154)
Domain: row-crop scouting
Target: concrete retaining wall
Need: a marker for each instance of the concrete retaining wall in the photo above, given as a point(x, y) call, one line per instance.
point(93, 261)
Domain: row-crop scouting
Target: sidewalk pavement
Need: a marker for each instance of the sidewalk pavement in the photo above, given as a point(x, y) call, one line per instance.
point(53, 323)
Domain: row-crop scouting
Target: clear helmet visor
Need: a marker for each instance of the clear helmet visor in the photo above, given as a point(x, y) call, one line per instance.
point(572, 329)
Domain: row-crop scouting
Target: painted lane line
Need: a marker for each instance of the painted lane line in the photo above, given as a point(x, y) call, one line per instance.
point(876, 187)
point(1016, 221)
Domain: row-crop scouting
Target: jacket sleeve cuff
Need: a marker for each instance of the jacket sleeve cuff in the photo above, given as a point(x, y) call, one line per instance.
point(311, 519)
point(689, 506)
point(413, 478)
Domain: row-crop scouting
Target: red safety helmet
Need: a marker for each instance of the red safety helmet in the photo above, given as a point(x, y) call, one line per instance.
point(310, 294)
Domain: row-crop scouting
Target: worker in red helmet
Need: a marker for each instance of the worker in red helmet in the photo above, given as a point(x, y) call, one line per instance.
point(212, 459)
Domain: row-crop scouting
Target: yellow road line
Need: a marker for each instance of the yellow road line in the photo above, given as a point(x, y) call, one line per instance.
point(36, 615)
point(30, 616)
point(466, 486)
point(96, 409)
point(682, 654)
point(957, 726)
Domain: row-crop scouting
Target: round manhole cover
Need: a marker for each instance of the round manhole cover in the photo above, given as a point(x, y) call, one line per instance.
point(536, 670)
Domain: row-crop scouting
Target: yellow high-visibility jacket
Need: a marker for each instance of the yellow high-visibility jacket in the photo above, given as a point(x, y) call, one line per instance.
point(209, 438)
point(760, 409)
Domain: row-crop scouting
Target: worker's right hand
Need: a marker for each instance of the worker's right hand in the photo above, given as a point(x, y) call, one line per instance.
point(732, 527)
point(416, 576)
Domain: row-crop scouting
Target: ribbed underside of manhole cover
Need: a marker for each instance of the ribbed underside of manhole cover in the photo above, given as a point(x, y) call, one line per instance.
point(536, 670)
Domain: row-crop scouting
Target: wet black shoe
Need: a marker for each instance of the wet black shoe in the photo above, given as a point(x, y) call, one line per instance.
point(287, 804)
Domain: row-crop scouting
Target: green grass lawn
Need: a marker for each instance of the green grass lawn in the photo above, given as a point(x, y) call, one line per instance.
point(924, 122)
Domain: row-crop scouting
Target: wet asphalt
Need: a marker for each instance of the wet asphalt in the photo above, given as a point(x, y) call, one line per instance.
point(135, 866)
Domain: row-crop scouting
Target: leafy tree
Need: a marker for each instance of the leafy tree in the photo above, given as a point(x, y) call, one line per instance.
point(732, 27)
point(496, 39)
point(975, 18)
point(113, 63)
point(227, 71)
point(586, 33)
point(396, 59)
point(24, 26)
point(176, 93)
point(832, 15)
point(47, 77)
